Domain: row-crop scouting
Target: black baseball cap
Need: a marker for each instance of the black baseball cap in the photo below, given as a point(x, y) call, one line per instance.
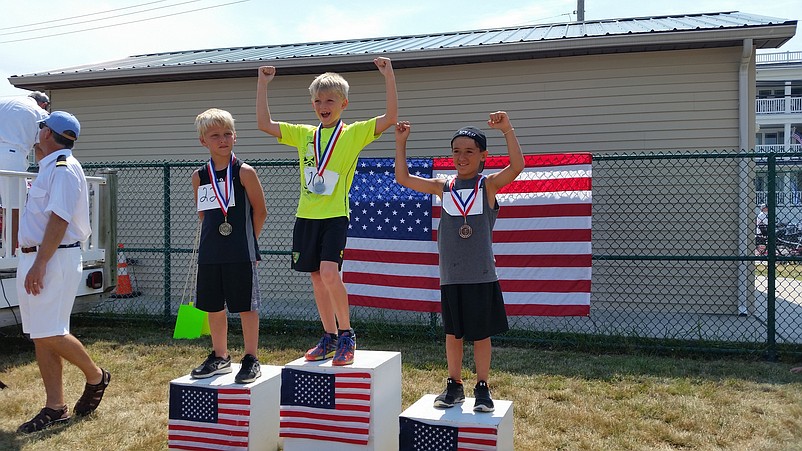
point(473, 133)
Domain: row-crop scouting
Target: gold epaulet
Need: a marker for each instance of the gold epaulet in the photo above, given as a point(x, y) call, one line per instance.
point(61, 160)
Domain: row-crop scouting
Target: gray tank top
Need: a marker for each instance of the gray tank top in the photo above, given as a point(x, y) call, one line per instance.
point(467, 260)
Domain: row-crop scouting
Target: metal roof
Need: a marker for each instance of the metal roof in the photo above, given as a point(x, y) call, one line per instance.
point(523, 42)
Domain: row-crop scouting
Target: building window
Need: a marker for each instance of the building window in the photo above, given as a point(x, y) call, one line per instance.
point(767, 93)
point(760, 189)
point(796, 186)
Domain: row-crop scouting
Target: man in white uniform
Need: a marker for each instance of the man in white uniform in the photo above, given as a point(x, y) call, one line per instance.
point(53, 225)
point(18, 132)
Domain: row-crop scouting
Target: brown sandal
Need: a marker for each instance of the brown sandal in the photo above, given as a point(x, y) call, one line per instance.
point(44, 419)
point(93, 394)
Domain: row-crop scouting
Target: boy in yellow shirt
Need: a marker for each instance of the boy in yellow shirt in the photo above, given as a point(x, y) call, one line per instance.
point(327, 155)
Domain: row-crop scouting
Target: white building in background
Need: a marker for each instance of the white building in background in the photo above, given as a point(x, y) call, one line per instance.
point(778, 113)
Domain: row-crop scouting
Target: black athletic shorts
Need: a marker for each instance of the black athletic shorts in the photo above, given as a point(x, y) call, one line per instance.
point(229, 285)
point(473, 311)
point(316, 240)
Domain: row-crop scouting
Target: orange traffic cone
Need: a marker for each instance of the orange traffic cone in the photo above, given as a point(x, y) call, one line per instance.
point(124, 287)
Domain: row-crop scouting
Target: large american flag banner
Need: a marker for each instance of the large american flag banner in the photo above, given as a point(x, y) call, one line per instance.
point(203, 418)
point(419, 436)
point(541, 240)
point(325, 407)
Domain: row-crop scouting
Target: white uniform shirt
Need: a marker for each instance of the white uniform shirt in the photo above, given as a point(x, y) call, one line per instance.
point(19, 128)
point(61, 190)
point(762, 220)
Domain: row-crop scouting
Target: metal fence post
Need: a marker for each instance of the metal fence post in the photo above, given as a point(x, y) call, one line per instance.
point(166, 246)
point(771, 340)
point(107, 229)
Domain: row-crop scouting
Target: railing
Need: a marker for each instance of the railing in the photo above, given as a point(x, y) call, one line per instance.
point(781, 105)
point(778, 57)
point(782, 197)
point(92, 249)
point(778, 148)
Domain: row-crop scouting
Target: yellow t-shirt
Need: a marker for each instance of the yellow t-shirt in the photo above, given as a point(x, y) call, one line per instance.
point(343, 160)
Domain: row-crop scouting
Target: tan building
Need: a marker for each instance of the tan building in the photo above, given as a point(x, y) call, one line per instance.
point(641, 84)
point(652, 84)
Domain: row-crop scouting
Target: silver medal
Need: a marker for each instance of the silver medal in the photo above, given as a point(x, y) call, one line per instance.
point(465, 231)
point(319, 187)
point(225, 229)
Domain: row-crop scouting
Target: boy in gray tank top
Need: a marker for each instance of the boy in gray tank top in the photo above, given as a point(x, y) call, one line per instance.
point(471, 301)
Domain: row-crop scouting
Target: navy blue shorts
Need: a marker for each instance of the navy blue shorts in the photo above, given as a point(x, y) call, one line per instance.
point(473, 311)
point(316, 240)
point(228, 285)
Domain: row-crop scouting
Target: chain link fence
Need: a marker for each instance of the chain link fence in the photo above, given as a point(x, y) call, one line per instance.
point(678, 257)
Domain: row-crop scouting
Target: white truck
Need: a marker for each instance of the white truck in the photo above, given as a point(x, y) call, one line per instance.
point(99, 251)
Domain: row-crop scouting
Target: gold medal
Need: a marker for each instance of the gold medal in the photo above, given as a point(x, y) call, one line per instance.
point(225, 228)
point(224, 195)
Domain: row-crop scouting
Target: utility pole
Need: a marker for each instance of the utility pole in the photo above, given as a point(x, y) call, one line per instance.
point(580, 10)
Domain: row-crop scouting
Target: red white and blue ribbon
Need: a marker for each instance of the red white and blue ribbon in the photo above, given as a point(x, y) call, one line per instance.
point(223, 197)
point(464, 205)
point(323, 156)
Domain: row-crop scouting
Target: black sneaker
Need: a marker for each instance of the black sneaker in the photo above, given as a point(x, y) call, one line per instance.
point(483, 402)
point(249, 371)
point(453, 394)
point(211, 366)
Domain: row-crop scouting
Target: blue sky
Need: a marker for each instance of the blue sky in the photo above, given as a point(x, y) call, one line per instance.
point(49, 34)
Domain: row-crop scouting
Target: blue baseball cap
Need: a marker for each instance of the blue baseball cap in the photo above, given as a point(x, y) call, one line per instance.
point(63, 123)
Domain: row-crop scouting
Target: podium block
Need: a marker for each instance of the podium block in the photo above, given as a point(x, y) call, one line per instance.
point(426, 428)
point(216, 413)
point(341, 408)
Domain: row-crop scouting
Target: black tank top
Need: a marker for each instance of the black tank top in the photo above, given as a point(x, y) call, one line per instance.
point(240, 245)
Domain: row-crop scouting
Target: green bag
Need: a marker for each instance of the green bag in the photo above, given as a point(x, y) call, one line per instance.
point(191, 322)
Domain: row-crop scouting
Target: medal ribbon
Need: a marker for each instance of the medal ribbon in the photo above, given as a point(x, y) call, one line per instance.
point(464, 206)
point(323, 156)
point(223, 198)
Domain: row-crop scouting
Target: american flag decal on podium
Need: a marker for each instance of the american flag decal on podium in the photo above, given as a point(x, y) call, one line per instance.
point(326, 407)
point(541, 240)
point(204, 418)
point(419, 436)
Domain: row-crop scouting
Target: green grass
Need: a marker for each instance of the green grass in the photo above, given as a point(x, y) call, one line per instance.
point(563, 400)
point(787, 271)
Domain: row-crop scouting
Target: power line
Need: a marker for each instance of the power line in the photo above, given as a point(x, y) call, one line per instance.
point(120, 24)
point(81, 16)
point(534, 21)
point(97, 20)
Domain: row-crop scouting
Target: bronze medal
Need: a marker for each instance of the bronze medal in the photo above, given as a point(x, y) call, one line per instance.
point(464, 205)
point(465, 231)
point(225, 228)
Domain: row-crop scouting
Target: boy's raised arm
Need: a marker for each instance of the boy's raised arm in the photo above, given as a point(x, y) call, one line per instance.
point(264, 122)
point(402, 175)
point(389, 118)
point(501, 121)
